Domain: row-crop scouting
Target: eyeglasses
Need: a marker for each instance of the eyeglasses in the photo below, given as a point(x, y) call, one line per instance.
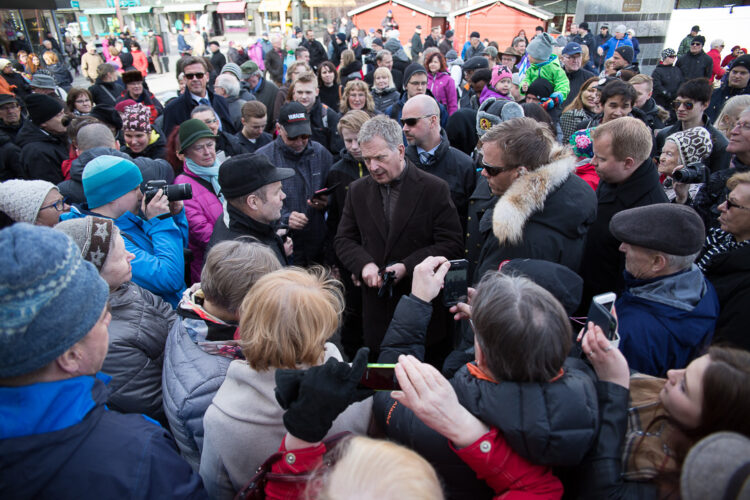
point(493, 171)
point(59, 205)
point(190, 76)
point(413, 121)
point(82, 101)
point(303, 137)
point(688, 105)
point(731, 204)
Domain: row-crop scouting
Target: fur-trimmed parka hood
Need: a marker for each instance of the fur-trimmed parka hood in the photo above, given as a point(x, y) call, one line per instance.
point(527, 196)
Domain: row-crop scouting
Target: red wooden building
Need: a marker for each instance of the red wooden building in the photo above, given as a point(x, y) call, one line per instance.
point(408, 14)
point(498, 20)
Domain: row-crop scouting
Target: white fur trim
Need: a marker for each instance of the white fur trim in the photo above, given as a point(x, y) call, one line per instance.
point(525, 197)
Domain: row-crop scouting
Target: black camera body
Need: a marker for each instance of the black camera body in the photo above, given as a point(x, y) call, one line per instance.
point(692, 173)
point(173, 192)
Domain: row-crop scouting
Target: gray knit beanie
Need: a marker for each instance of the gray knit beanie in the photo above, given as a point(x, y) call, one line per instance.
point(540, 48)
point(694, 144)
point(93, 235)
point(50, 298)
point(21, 200)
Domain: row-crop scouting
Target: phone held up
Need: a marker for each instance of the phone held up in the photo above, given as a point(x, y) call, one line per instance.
point(455, 286)
point(380, 377)
point(600, 313)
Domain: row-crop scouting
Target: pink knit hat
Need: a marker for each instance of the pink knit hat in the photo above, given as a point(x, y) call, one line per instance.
point(498, 73)
point(137, 118)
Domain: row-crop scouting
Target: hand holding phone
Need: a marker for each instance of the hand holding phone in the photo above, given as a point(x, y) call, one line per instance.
point(379, 377)
point(456, 288)
point(600, 313)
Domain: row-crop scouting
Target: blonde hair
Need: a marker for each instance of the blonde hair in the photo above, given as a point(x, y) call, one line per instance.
point(384, 71)
point(630, 137)
point(737, 179)
point(356, 85)
point(50, 57)
point(352, 120)
point(372, 469)
point(293, 67)
point(287, 316)
point(641, 78)
point(731, 112)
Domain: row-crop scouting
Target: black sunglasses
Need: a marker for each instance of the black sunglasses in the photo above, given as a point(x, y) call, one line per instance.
point(493, 171)
point(413, 121)
point(190, 76)
point(696, 43)
point(688, 105)
point(731, 204)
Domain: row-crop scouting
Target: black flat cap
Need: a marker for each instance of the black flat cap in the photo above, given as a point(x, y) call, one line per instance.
point(665, 227)
point(476, 62)
point(243, 174)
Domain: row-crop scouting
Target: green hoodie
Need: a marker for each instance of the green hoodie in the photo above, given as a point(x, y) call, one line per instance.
point(551, 71)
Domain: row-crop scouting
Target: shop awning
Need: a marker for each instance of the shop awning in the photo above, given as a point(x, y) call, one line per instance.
point(99, 11)
point(139, 10)
point(231, 7)
point(185, 7)
point(330, 3)
point(273, 6)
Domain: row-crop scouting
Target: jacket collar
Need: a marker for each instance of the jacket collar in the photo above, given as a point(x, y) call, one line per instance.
point(241, 223)
point(681, 290)
point(526, 196)
point(631, 188)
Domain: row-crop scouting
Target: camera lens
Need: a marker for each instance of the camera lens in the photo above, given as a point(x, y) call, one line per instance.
point(177, 192)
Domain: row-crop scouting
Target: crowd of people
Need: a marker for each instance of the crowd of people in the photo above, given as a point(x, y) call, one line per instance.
point(192, 290)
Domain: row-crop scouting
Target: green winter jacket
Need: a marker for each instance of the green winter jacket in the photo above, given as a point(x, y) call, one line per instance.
point(551, 71)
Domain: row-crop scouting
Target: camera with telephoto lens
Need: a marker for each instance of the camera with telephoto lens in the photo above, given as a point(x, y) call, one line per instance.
point(693, 173)
point(173, 192)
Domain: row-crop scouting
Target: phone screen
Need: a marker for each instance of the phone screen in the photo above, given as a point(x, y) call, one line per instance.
point(380, 377)
point(455, 287)
point(601, 316)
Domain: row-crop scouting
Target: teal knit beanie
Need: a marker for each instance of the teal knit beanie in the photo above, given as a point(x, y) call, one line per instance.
point(106, 178)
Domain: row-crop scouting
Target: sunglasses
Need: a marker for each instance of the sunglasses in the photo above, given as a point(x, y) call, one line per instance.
point(413, 121)
point(190, 76)
point(696, 43)
point(688, 105)
point(493, 171)
point(731, 204)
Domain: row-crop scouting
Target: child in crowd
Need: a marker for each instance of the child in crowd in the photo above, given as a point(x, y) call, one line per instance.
point(544, 64)
point(500, 84)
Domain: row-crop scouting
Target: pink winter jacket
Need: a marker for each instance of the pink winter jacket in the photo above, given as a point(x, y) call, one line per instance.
point(443, 88)
point(202, 211)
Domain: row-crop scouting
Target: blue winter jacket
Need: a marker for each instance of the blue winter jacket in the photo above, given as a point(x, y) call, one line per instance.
point(610, 45)
point(664, 323)
point(58, 440)
point(159, 264)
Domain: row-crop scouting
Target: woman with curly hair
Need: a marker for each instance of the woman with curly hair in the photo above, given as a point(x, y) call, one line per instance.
point(357, 96)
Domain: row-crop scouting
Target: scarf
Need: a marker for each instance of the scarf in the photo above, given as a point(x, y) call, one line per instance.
point(208, 174)
point(718, 242)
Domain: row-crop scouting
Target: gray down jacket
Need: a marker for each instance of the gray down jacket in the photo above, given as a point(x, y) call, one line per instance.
point(190, 380)
point(137, 334)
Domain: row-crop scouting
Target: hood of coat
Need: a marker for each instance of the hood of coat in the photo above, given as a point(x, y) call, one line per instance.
point(553, 423)
point(526, 196)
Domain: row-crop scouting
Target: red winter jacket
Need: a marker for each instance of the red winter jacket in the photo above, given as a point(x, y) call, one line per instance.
point(507, 473)
point(718, 70)
point(140, 61)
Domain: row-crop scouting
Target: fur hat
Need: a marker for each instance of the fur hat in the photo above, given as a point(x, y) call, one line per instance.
point(50, 298)
point(137, 118)
point(540, 48)
point(665, 227)
point(132, 77)
point(93, 235)
point(21, 200)
point(494, 111)
point(694, 144)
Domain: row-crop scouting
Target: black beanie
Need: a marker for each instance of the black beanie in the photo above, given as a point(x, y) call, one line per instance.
point(42, 107)
point(540, 88)
point(107, 115)
point(411, 70)
point(626, 51)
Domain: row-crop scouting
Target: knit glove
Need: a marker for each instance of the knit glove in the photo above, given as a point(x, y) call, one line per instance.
point(314, 398)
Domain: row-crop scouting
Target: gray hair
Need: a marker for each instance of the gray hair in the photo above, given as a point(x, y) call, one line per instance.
point(715, 44)
point(228, 83)
point(383, 127)
point(95, 135)
point(200, 109)
point(381, 54)
point(680, 262)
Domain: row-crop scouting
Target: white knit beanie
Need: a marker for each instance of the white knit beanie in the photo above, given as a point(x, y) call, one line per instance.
point(21, 200)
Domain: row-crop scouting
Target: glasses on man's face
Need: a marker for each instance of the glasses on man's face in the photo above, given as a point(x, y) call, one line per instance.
point(59, 205)
point(688, 105)
point(696, 44)
point(493, 171)
point(731, 204)
point(190, 76)
point(413, 121)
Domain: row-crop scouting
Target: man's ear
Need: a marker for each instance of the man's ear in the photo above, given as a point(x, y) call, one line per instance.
point(68, 361)
point(630, 163)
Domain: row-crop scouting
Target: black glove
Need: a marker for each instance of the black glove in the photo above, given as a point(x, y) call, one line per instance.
point(314, 398)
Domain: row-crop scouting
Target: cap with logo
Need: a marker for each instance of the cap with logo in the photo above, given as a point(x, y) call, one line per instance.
point(293, 117)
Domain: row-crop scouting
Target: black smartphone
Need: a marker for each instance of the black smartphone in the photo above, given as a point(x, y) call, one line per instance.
point(600, 313)
point(456, 287)
point(379, 377)
point(325, 191)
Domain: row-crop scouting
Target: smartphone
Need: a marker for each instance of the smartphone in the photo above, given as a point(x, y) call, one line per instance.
point(455, 287)
point(600, 313)
point(380, 377)
point(325, 191)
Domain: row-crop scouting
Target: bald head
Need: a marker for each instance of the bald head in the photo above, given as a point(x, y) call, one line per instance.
point(94, 136)
point(421, 119)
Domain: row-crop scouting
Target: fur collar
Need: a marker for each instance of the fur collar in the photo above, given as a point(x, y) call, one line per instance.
point(526, 196)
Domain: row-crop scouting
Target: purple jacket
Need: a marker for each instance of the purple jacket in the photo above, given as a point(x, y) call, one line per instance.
point(443, 88)
point(488, 92)
point(202, 211)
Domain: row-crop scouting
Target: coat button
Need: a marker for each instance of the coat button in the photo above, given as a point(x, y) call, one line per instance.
point(466, 251)
point(468, 218)
point(290, 458)
point(485, 446)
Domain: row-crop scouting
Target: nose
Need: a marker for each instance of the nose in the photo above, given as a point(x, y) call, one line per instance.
point(623, 247)
point(130, 256)
point(722, 207)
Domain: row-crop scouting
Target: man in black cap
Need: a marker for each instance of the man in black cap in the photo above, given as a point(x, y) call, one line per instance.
point(11, 115)
point(600, 39)
point(416, 44)
point(572, 59)
point(668, 311)
point(584, 37)
point(303, 212)
point(255, 198)
point(469, 67)
point(446, 45)
point(737, 83)
point(43, 140)
point(696, 63)
point(684, 47)
point(623, 58)
point(10, 154)
point(474, 46)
